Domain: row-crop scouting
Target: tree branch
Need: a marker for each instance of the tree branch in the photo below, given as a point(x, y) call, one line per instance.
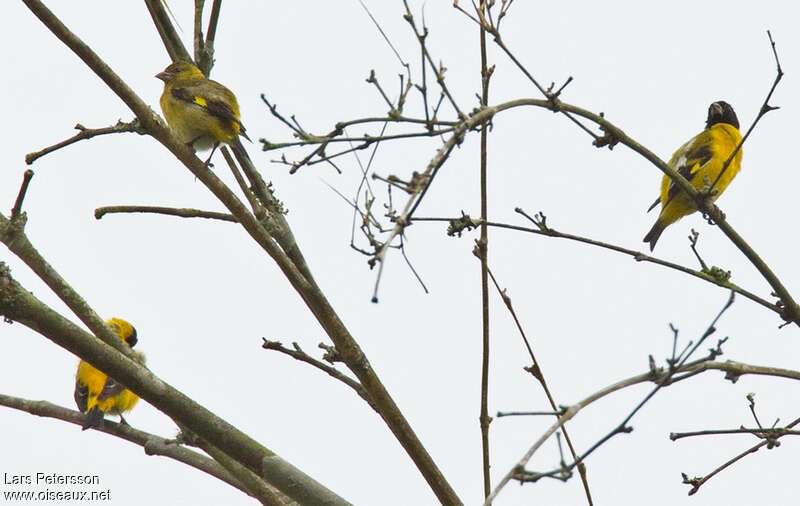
point(734, 370)
point(19, 305)
point(465, 222)
point(171, 39)
point(150, 443)
point(298, 354)
point(316, 301)
point(482, 250)
point(536, 371)
point(769, 442)
point(87, 133)
point(789, 310)
point(182, 212)
point(23, 190)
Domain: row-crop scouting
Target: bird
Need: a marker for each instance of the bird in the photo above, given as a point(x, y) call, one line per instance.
point(97, 394)
point(202, 113)
point(700, 161)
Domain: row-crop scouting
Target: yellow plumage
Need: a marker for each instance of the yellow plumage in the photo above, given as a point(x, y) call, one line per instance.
point(201, 112)
point(700, 161)
point(95, 393)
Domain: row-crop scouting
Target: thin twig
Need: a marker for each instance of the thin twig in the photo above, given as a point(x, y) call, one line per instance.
point(437, 71)
point(183, 212)
point(172, 41)
point(733, 371)
point(765, 108)
point(661, 381)
point(760, 432)
point(23, 190)
point(696, 483)
point(424, 180)
point(693, 237)
point(482, 250)
point(150, 443)
point(536, 370)
point(88, 133)
point(459, 224)
point(298, 354)
point(206, 61)
point(199, 42)
point(501, 414)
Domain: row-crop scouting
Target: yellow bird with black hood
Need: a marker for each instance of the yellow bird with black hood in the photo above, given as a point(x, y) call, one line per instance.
point(701, 161)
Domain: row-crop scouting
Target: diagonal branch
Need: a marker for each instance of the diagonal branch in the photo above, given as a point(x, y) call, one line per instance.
point(765, 108)
point(769, 442)
point(315, 300)
point(150, 443)
point(733, 371)
point(536, 370)
point(170, 37)
point(790, 311)
point(87, 133)
point(298, 354)
point(20, 305)
point(465, 222)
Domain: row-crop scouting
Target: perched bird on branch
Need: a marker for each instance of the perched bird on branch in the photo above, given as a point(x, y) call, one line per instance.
point(96, 394)
point(701, 162)
point(201, 112)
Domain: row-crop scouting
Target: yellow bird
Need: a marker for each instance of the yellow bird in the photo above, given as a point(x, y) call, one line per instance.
point(96, 394)
point(700, 161)
point(201, 112)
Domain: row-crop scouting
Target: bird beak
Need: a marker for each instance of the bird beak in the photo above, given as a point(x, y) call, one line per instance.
point(716, 109)
point(164, 76)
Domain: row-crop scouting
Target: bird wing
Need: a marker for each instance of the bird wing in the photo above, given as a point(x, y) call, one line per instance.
point(689, 161)
point(216, 99)
point(110, 389)
point(81, 396)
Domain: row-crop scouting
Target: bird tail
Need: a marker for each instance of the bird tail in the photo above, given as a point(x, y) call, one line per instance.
point(654, 234)
point(94, 419)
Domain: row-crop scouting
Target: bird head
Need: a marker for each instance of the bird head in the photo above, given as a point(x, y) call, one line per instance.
point(721, 112)
point(180, 70)
point(124, 330)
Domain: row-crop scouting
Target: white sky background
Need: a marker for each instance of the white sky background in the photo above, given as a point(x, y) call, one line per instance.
point(202, 295)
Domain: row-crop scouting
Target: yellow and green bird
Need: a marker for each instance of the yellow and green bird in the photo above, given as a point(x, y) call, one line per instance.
point(200, 112)
point(700, 161)
point(97, 394)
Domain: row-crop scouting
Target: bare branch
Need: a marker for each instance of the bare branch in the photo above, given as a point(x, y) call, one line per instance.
point(482, 252)
point(245, 450)
point(170, 38)
point(536, 370)
point(88, 133)
point(183, 212)
point(770, 442)
point(298, 354)
point(765, 108)
point(662, 379)
point(23, 190)
point(465, 222)
point(150, 443)
point(439, 71)
point(199, 41)
point(20, 305)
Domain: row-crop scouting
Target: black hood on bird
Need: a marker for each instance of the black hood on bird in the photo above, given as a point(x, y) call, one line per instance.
point(721, 112)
